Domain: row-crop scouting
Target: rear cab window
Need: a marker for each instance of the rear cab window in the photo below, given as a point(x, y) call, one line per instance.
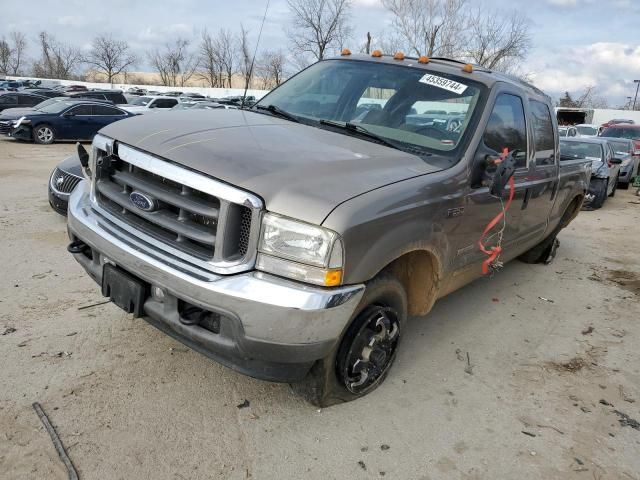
point(543, 133)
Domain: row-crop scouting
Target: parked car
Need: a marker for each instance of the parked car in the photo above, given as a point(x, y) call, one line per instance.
point(605, 167)
point(63, 180)
point(147, 104)
point(47, 92)
point(625, 150)
point(587, 130)
point(183, 105)
point(617, 121)
point(173, 93)
point(19, 99)
point(212, 106)
point(114, 96)
point(10, 115)
point(292, 245)
point(136, 91)
point(568, 132)
point(67, 120)
point(75, 88)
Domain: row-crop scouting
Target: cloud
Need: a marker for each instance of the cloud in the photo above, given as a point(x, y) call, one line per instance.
point(609, 66)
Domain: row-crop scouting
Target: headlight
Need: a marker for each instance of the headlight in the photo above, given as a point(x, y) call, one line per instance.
point(300, 251)
point(20, 121)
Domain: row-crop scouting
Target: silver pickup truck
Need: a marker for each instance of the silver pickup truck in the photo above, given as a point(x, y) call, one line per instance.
point(292, 240)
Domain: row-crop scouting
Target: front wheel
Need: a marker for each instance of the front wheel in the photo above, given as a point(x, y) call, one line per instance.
point(361, 360)
point(43, 134)
point(599, 189)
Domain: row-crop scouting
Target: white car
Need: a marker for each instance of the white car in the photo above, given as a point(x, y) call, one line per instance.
point(146, 104)
point(587, 130)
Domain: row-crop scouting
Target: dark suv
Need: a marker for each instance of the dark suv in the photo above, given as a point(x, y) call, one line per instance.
point(114, 96)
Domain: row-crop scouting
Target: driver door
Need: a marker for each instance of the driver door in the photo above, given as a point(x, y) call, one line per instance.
point(505, 128)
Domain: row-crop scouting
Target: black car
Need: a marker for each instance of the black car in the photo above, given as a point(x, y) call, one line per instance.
point(67, 120)
point(114, 96)
point(19, 99)
point(46, 92)
point(64, 178)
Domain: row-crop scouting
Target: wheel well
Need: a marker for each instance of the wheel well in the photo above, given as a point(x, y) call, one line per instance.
point(572, 210)
point(419, 273)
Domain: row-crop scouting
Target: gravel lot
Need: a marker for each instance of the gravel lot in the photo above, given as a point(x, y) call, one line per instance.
point(554, 351)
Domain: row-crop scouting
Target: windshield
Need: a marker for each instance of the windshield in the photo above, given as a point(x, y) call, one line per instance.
point(590, 151)
point(407, 106)
point(140, 101)
point(617, 132)
point(587, 131)
point(621, 147)
point(55, 107)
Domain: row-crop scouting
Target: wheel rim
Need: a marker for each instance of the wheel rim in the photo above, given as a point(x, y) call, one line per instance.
point(45, 134)
point(372, 349)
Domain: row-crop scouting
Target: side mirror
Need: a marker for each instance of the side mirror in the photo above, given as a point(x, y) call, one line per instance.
point(504, 170)
point(615, 161)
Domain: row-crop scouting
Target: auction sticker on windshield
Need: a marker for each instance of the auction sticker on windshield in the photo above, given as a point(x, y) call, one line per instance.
point(443, 83)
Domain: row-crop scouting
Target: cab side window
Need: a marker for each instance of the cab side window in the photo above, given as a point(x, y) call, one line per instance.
point(543, 129)
point(507, 128)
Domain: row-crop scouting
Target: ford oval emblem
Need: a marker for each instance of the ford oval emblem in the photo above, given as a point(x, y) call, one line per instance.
point(143, 202)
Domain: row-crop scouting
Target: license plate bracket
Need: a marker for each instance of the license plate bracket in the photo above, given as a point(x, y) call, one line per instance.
point(125, 290)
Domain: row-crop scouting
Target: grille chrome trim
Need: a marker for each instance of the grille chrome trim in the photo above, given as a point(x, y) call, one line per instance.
point(69, 182)
point(228, 234)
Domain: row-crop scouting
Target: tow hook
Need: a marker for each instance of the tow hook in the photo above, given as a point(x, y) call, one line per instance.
point(77, 247)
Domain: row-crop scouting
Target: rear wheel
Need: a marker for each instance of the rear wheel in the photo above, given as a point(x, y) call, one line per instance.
point(366, 351)
point(43, 134)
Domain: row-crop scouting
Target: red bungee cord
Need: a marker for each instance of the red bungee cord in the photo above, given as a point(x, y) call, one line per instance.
point(494, 252)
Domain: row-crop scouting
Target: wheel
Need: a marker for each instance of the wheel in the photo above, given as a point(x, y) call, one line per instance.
point(615, 187)
point(43, 134)
point(361, 360)
point(623, 185)
point(599, 192)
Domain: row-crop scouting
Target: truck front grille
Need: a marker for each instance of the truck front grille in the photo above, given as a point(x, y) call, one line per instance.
point(175, 209)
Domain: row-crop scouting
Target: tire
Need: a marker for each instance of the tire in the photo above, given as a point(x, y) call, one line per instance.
point(334, 379)
point(600, 190)
point(624, 185)
point(43, 134)
point(615, 187)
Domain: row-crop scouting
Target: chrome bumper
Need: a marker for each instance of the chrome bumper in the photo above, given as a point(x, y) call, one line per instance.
point(268, 310)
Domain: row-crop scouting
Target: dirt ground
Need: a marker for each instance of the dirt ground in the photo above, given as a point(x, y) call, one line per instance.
point(554, 353)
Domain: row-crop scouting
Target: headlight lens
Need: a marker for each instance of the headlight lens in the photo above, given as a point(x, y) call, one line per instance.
point(300, 251)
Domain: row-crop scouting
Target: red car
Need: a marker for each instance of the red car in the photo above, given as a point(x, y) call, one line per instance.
point(617, 121)
point(625, 130)
point(75, 88)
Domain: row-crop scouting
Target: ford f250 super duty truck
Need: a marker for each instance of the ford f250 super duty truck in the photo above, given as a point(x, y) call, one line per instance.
point(292, 240)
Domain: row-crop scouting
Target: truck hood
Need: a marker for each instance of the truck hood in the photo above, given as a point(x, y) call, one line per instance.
point(299, 170)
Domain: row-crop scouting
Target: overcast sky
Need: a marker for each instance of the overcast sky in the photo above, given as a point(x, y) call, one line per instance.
point(576, 43)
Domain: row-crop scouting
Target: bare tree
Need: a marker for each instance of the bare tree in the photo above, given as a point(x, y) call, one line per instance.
point(319, 25)
point(12, 53)
point(57, 60)
point(5, 56)
point(429, 27)
point(210, 66)
point(174, 63)
point(272, 69)
point(110, 56)
point(245, 60)
point(589, 98)
point(497, 42)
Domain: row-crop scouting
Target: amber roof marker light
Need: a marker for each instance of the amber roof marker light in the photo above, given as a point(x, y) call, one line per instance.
point(424, 59)
point(376, 54)
point(345, 52)
point(398, 56)
point(468, 68)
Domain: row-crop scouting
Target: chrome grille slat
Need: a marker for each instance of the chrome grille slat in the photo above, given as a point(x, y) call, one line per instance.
point(183, 201)
point(162, 218)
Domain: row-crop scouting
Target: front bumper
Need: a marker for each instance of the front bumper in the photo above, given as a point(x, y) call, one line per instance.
point(270, 328)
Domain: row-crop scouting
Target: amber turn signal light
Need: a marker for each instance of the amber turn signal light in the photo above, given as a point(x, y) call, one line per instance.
point(424, 59)
point(467, 68)
point(376, 53)
point(345, 52)
point(398, 56)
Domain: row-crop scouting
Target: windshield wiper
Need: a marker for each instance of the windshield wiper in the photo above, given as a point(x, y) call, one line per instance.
point(279, 112)
point(363, 132)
